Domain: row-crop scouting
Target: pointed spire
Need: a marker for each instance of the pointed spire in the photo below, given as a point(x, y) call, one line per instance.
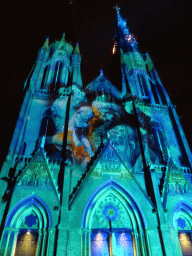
point(63, 37)
point(101, 72)
point(127, 40)
point(77, 50)
point(121, 23)
point(46, 44)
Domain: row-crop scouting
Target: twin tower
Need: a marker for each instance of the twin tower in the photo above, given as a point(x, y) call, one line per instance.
point(96, 170)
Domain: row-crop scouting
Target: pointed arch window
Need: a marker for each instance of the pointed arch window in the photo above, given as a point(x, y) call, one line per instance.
point(143, 85)
point(26, 230)
point(182, 223)
point(57, 75)
point(154, 91)
point(47, 124)
point(45, 77)
point(110, 227)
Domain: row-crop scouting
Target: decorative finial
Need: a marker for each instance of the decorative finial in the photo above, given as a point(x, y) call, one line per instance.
point(117, 8)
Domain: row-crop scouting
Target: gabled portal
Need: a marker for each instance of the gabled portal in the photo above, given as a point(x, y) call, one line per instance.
point(112, 221)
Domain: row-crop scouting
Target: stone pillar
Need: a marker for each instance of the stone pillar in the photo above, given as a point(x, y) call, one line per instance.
point(49, 238)
point(7, 242)
point(50, 75)
point(39, 243)
point(143, 242)
point(89, 244)
point(148, 243)
point(44, 241)
point(14, 243)
point(85, 242)
point(152, 236)
point(134, 245)
point(137, 243)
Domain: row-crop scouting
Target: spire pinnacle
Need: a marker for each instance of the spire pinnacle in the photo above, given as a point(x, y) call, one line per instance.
point(127, 40)
point(63, 37)
point(121, 23)
point(77, 50)
point(46, 44)
point(117, 8)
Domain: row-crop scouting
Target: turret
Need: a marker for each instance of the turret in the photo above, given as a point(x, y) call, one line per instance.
point(52, 70)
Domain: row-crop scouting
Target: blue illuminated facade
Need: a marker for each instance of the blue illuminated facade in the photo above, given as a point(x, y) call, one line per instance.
point(101, 170)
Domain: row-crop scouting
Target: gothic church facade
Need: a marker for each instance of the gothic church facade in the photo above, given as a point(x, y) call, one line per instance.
point(96, 170)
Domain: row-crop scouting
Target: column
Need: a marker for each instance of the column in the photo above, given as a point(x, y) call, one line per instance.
point(39, 243)
point(137, 243)
point(44, 241)
point(148, 245)
point(85, 242)
point(50, 75)
point(7, 241)
point(14, 242)
point(152, 237)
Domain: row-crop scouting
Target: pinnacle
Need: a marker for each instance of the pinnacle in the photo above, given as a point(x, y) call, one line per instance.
point(77, 50)
point(46, 44)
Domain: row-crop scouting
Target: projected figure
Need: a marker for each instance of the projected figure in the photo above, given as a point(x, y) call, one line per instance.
point(79, 125)
point(79, 129)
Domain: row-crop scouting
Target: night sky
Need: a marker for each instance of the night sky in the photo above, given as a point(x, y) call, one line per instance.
point(162, 28)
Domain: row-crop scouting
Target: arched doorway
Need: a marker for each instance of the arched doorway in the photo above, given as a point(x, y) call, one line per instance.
point(26, 229)
point(112, 224)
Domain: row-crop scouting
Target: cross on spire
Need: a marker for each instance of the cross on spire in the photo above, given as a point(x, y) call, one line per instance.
point(117, 8)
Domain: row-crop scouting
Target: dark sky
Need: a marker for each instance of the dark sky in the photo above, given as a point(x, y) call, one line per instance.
point(162, 28)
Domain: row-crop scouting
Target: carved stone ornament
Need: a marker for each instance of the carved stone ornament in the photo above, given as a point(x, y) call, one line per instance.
point(110, 208)
point(177, 183)
point(35, 175)
point(110, 163)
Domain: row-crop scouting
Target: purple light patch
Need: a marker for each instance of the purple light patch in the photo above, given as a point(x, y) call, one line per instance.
point(30, 220)
point(110, 212)
point(181, 223)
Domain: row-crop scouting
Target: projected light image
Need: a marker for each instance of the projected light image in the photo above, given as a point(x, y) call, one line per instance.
point(99, 164)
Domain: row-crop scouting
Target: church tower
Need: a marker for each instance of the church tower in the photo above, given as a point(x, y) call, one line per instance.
point(96, 170)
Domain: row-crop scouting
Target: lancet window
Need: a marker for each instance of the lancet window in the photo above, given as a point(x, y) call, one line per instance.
point(26, 229)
